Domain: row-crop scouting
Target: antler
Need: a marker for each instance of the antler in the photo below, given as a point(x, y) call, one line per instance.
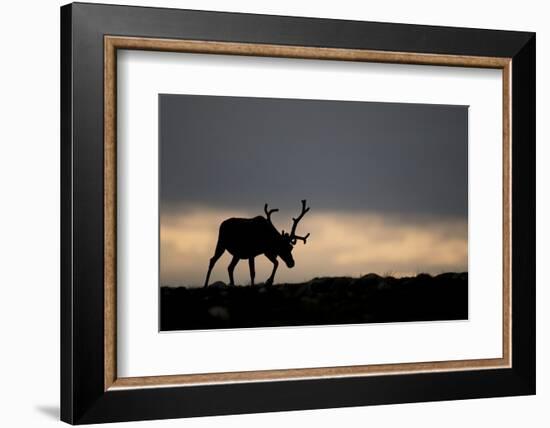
point(295, 222)
point(269, 212)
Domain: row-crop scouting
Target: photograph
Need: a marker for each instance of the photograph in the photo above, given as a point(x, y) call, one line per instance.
point(279, 212)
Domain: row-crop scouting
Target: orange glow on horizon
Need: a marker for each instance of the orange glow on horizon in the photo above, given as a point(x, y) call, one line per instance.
point(341, 244)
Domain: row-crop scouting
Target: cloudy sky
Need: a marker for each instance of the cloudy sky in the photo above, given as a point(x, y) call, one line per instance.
point(387, 184)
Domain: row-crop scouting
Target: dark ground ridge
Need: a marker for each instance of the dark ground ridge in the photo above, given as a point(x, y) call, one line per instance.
point(320, 301)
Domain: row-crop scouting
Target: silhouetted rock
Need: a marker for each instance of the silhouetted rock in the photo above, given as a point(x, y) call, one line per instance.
point(218, 284)
point(329, 300)
point(370, 279)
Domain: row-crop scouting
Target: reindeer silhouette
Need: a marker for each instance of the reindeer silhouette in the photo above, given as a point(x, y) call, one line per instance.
point(246, 238)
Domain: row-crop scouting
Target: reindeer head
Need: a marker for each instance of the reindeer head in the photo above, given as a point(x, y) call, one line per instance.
point(286, 243)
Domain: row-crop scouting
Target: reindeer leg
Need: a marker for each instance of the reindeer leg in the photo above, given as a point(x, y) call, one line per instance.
point(252, 270)
point(231, 268)
point(217, 254)
point(272, 259)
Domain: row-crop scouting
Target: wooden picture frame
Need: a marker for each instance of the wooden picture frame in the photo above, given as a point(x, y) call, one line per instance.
point(91, 390)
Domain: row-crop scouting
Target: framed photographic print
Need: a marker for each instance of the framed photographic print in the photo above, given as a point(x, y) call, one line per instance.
point(266, 213)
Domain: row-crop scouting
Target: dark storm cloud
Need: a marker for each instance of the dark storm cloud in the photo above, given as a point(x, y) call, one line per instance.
point(231, 152)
